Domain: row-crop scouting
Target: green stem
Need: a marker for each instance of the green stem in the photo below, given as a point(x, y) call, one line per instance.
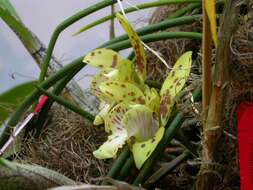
point(19, 112)
point(124, 172)
point(158, 27)
point(184, 10)
point(118, 163)
point(132, 9)
point(63, 26)
point(155, 37)
point(67, 104)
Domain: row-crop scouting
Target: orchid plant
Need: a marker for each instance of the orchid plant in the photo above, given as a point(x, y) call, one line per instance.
point(131, 111)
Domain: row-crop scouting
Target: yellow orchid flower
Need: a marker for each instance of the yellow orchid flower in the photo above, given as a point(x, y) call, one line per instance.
point(131, 109)
point(140, 114)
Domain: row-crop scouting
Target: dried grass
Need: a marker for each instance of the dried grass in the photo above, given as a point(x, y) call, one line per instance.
point(66, 145)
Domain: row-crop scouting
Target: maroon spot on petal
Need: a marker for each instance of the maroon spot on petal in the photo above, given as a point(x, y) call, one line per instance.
point(139, 58)
point(173, 73)
point(107, 92)
point(116, 121)
point(153, 140)
point(118, 117)
point(101, 66)
point(93, 53)
point(123, 85)
point(175, 81)
point(165, 101)
point(163, 110)
point(99, 52)
point(141, 100)
point(143, 145)
point(114, 61)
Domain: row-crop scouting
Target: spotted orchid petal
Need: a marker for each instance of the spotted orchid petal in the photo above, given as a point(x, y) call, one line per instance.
point(105, 102)
point(152, 99)
point(100, 77)
point(143, 150)
point(122, 92)
point(113, 124)
point(110, 148)
point(173, 84)
point(103, 58)
point(114, 119)
point(104, 109)
point(126, 71)
point(141, 61)
point(140, 122)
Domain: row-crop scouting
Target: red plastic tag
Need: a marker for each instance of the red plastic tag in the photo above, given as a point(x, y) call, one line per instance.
point(245, 139)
